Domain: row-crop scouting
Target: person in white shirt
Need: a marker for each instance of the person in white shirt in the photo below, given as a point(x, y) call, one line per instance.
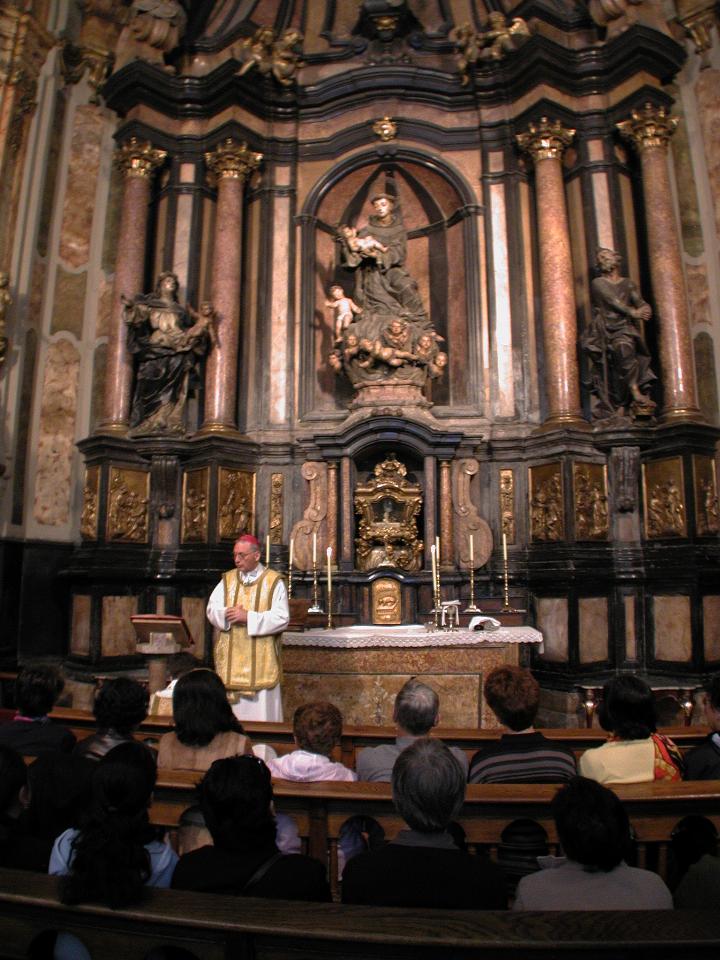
point(250, 609)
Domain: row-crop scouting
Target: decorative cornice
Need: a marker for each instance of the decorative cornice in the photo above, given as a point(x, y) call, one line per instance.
point(648, 127)
point(139, 158)
point(231, 161)
point(545, 140)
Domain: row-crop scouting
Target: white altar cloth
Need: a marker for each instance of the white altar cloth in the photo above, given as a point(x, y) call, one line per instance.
point(413, 635)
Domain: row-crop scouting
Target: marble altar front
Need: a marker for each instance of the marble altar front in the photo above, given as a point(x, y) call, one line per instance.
point(361, 669)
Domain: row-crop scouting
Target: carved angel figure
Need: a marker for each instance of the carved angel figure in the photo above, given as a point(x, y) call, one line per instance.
point(271, 54)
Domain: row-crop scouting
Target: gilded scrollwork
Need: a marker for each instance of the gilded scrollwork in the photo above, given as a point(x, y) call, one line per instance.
point(196, 484)
point(591, 504)
point(236, 503)
point(665, 513)
point(277, 482)
point(388, 505)
point(507, 504)
point(707, 515)
point(313, 527)
point(91, 499)
point(127, 512)
point(547, 513)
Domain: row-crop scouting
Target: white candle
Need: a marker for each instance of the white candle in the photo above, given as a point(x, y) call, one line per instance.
point(329, 559)
point(437, 549)
point(292, 546)
point(504, 546)
point(314, 549)
point(433, 560)
point(267, 550)
point(472, 551)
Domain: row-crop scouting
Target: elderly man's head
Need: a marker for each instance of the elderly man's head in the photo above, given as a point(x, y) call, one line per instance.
point(428, 786)
point(416, 708)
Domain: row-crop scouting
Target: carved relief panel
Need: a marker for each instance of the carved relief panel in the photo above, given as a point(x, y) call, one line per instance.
point(276, 507)
point(664, 498)
point(707, 516)
point(195, 497)
point(236, 503)
point(91, 502)
point(547, 510)
point(386, 605)
point(507, 504)
point(590, 501)
point(313, 524)
point(127, 505)
point(468, 521)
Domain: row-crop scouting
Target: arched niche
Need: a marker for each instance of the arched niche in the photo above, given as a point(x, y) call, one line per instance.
point(438, 211)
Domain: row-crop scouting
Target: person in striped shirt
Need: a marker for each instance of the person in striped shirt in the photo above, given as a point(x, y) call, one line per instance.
point(522, 754)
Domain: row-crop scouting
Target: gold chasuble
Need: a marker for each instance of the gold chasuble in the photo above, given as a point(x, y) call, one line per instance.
point(247, 664)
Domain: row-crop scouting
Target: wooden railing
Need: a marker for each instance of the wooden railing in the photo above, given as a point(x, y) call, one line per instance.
point(214, 927)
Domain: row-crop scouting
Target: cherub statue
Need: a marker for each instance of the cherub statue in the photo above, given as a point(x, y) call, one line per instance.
point(344, 309)
point(270, 53)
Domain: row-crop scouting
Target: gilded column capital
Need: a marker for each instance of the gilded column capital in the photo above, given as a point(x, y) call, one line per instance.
point(545, 140)
point(650, 126)
point(138, 158)
point(231, 161)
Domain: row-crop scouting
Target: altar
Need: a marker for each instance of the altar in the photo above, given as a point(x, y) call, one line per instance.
point(361, 669)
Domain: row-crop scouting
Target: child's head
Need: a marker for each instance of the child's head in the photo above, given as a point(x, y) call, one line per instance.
point(347, 231)
point(337, 291)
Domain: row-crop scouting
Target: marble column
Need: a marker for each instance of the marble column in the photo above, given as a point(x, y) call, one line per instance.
point(332, 510)
point(545, 142)
point(346, 514)
point(649, 130)
point(138, 160)
point(447, 552)
point(230, 164)
point(430, 507)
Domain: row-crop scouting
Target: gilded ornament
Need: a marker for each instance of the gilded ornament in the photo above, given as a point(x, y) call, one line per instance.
point(76, 60)
point(137, 158)
point(272, 54)
point(128, 498)
point(385, 601)
point(91, 498)
point(707, 515)
point(385, 128)
point(493, 43)
point(547, 513)
point(507, 504)
point(195, 506)
point(591, 505)
point(277, 481)
point(231, 160)
point(648, 127)
point(545, 140)
point(664, 485)
point(388, 505)
point(236, 503)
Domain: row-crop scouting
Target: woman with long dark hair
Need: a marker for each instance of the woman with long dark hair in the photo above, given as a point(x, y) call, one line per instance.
point(115, 852)
point(206, 729)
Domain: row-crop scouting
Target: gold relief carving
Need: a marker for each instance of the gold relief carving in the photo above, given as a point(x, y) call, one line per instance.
point(91, 500)
point(664, 498)
point(278, 55)
point(650, 126)
point(128, 498)
point(315, 473)
point(236, 503)
point(494, 42)
point(75, 60)
point(385, 128)
point(196, 491)
point(707, 515)
point(547, 513)
point(24, 46)
point(545, 140)
point(388, 505)
point(232, 161)
point(138, 158)
point(468, 521)
point(507, 504)
point(277, 482)
point(590, 497)
point(386, 605)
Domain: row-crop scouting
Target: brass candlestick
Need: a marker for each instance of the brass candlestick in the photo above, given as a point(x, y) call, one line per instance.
point(472, 607)
point(315, 608)
point(289, 581)
point(329, 610)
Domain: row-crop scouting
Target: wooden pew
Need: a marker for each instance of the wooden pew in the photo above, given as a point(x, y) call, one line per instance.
point(215, 927)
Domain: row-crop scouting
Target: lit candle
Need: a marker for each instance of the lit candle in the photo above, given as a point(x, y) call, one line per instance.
point(314, 549)
point(504, 546)
point(472, 552)
point(267, 550)
point(329, 558)
point(292, 547)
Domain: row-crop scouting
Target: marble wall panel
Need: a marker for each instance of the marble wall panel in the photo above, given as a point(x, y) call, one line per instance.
point(117, 636)
point(689, 208)
point(192, 610)
point(711, 628)
point(69, 302)
point(56, 434)
point(22, 433)
point(51, 172)
point(80, 630)
point(671, 621)
point(79, 203)
point(104, 306)
point(593, 629)
point(37, 292)
point(112, 220)
point(706, 88)
point(552, 622)
point(98, 385)
point(706, 377)
point(698, 292)
point(630, 634)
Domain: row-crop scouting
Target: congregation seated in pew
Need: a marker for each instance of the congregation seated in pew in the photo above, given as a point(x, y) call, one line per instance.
point(31, 731)
point(121, 705)
point(703, 763)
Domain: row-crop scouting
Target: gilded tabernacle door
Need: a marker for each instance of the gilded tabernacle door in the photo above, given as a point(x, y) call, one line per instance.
point(388, 505)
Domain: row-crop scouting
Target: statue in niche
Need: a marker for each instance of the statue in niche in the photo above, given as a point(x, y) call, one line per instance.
point(618, 374)
point(383, 334)
point(168, 347)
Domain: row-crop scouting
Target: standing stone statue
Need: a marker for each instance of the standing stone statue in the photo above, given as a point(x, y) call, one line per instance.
point(618, 374)
point(168, 346)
